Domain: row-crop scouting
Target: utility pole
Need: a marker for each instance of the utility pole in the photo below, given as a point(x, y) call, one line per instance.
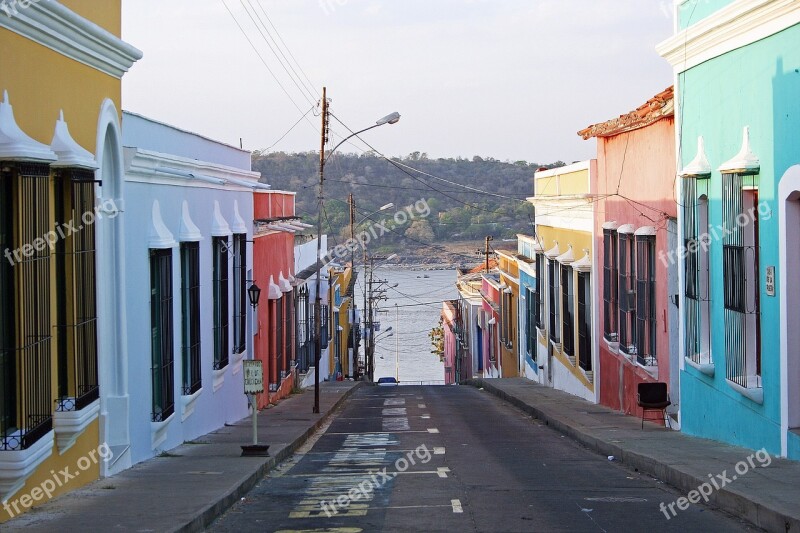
point(351, 201)
point(317, 298)
point(486, 252)
point(371, 327)
point(367, 332)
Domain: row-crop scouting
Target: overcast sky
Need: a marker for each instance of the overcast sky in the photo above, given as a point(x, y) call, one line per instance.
point(510, 79)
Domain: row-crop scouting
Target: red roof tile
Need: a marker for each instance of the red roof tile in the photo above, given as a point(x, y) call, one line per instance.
point(660, 106)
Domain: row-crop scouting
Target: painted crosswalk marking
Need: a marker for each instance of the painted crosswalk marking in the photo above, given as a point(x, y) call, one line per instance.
point(457, 506)
point(395, 424)
point(438, 451)
point(394, 401)
point(394, 411)
point(433, 430)
point(442, 471)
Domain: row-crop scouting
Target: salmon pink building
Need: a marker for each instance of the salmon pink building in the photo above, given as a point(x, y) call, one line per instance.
point(273, 272)
point(635, 227)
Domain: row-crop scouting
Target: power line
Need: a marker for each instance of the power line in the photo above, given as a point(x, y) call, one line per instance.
point(267, 38)
point(263, 61)
point(310, 84)
point(290, 129)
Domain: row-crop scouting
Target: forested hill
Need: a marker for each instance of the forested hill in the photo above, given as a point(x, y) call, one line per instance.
point(456, 213)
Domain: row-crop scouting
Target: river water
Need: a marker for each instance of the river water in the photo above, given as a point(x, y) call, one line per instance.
point(412, 310)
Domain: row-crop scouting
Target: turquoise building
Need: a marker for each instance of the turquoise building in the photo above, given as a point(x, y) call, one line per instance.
point(737, 69)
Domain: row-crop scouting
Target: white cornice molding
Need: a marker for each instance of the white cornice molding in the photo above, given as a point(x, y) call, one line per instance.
point(189, 231)
point(699, 167)
point(54, 26)
point(160, 237)
point(142, 166)
point(745, 161)
point(70, 153)
point(15, 144)
point(741, 23)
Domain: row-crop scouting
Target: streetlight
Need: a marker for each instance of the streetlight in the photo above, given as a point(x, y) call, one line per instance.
point(388, 119)
point(253, 384)
point(369, 351)
point(353, 261)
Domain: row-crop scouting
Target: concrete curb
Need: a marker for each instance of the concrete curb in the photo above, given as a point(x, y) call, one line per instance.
point(733, 502)
point(213, 511)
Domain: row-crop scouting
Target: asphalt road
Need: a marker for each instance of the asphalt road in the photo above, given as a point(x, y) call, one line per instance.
point(455, 459)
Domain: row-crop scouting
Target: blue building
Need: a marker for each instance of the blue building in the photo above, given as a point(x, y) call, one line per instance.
point(737, 68)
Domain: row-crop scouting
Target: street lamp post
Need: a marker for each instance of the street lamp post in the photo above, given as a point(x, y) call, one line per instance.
point(388, 119)
point(253, 384)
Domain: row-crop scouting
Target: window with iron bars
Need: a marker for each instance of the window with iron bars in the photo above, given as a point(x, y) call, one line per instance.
point(585, 320)
point(76, 296)
point(25, 327)
point(239, 292)
point(279, 306)
point(161, 323)
point(568, 306)
point(530, 323)
point(627, 294)
point(303, 334)
point(288, 328)
point(697, 314)
point(190, 330)
point(537, 293)
point(553, 271)
point(741, 279)
point(610, 282)
point(221, 315)
point(324, 327)
point(645, 338)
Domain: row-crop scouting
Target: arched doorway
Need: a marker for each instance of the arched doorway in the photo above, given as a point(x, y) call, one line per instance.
point(112, 337)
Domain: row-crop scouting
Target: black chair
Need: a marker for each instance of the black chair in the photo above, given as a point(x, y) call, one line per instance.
point(653, 397)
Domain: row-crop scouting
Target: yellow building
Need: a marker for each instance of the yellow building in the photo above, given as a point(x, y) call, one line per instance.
point(341, 355)
point(509, 321)
point(62, 363)
point(560, 309)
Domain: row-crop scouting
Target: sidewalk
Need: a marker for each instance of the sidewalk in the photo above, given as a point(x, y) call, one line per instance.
point(193, 484)
point(768, 497)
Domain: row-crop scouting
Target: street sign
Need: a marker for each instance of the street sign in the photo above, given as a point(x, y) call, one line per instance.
point(771, 281)
point(253, 377)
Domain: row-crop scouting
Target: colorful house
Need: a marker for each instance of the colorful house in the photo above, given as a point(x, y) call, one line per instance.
point(736, 64)
point(528, 307)
point(489, 323)
point(450, 328)
point(562, 254)
point(509, 316)
point(341, 355)
point(468, 285)
point(273, 252)
point(635, 230)
point(188, 264)
point(62, 355)
point(306, 266)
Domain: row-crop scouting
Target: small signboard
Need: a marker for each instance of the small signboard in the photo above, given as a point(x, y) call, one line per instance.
point(253, 376)
point(771, 281)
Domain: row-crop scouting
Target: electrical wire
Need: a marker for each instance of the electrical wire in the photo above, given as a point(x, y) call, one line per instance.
point(293, 75)
point(289, 50)
point(290, 129)
point(263, 61)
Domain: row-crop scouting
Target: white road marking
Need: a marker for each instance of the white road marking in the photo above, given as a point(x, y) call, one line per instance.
point(442, 471)
point(395, 424)
point(394, 401)
point(421, 406)
point(394, 411)
point(438, 451)
point(433, 430)
point(456, 504)
point(425, 416)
